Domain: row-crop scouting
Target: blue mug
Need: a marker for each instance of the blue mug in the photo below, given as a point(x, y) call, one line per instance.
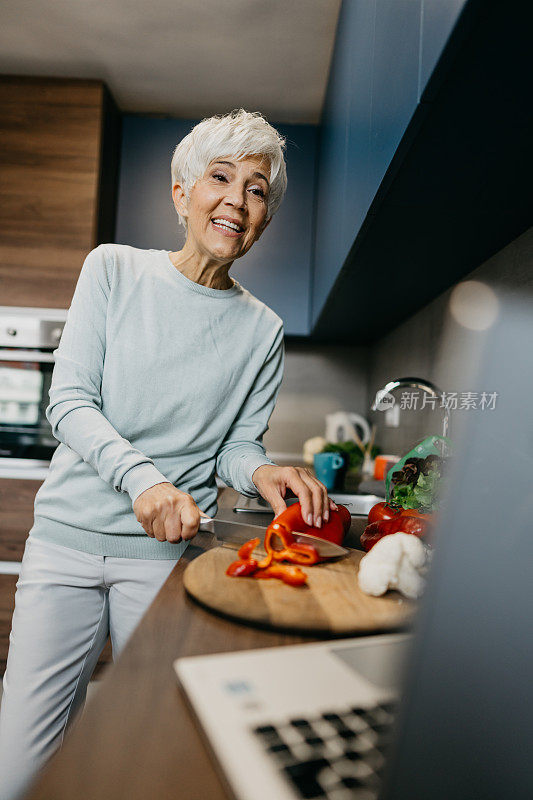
point(326, 467)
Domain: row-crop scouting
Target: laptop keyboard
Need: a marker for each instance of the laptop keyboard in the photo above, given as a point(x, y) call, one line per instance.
point(338, 756)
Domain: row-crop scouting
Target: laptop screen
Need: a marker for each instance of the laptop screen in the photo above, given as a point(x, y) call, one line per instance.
point(465, 728)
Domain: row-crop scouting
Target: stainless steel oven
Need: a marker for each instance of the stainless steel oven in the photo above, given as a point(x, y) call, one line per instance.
point(28, 337)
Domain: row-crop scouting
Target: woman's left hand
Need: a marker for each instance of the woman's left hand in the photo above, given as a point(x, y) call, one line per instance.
point(273, 482)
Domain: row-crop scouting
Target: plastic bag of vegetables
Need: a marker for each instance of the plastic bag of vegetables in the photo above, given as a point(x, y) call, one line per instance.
point(415, 482)
point(413, 487)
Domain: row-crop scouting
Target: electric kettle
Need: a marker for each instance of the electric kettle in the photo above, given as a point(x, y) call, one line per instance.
point(345, 425)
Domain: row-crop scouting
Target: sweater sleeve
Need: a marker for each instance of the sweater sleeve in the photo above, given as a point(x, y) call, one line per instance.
point(75, 407)
point(242, 450)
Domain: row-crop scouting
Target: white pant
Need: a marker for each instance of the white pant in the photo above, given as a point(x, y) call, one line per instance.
point(66, 604)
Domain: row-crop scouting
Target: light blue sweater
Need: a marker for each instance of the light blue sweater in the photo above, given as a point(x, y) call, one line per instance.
point(156, 378)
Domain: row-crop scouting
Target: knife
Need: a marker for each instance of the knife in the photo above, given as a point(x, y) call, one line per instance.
point(240, 532)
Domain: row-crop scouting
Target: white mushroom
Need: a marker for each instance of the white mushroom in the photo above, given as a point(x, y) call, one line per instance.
point(398, 561)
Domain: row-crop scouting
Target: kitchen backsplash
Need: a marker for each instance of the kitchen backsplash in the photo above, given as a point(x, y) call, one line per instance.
point(318, 379)
point(431, 344)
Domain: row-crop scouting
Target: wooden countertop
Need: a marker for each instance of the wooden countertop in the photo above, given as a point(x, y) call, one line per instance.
point(137, 737)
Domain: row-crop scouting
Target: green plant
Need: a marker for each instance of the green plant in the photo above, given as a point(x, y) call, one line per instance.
point(351, 450)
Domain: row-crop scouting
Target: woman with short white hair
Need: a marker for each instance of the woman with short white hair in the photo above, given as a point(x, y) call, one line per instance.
point(167, 372)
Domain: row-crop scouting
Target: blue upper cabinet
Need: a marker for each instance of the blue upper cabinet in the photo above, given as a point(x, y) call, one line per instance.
point(331, 235)
point(146, 216)
point(384, 55)
point(277, 269)
point(394, 79)
point(360, 187)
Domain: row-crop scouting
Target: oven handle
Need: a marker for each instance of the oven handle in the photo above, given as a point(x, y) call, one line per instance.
point(26, 355)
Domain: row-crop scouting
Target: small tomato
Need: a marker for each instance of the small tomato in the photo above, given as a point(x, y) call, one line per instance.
point(381, 511)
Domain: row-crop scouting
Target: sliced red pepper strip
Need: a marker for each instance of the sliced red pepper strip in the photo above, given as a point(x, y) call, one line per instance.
point(271, 552)
point(247, 548)
point(292, 550)
point(288, 574)
point(241, 569)
point(297, 553)
point(266, 561)
point(282, 532)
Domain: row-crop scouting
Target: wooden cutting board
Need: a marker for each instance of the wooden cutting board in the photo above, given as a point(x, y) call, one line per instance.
point(331, 602)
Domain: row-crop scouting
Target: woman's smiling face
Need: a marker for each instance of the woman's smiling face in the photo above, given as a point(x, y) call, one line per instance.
point(227, 208)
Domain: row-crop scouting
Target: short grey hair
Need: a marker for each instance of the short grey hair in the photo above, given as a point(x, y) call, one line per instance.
point(239, 134)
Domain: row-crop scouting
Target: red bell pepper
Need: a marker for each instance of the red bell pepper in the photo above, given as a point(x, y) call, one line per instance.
point(282, 527)
point(412, 512)
point(398, 524)
point(334, 530)
point(382, 511)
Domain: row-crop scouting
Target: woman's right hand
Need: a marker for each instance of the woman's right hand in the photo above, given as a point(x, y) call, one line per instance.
point(167, 514)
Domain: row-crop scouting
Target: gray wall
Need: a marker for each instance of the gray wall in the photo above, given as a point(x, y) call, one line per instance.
point(431, 344)
point(318, 380)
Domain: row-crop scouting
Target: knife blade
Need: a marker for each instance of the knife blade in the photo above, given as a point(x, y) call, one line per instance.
point(236, 532)
point(324, 548)
point(240, 532)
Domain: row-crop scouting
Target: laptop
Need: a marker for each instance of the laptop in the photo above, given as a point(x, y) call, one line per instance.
point(444, 712)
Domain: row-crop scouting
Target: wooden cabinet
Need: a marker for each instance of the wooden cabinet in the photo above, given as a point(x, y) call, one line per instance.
point(7, 604)
point(16, 515)
point(59, 156)
point(17, 497)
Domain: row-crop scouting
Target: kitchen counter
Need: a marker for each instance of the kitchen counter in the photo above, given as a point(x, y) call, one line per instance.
point(137, 737)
